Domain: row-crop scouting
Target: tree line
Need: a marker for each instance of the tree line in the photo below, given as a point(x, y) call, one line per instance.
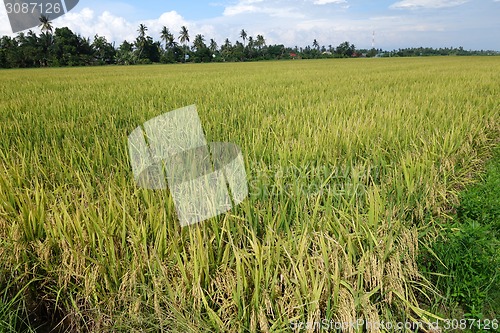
point(61, 47)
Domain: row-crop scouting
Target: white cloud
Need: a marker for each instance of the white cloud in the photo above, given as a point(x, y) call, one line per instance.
point(118, 29)
point(417, 4)
point(88, 24)
point(240, 9)
point(326, 2)
point(243, 6)
point(273, 11)
point(277, 8)
point(173, 20)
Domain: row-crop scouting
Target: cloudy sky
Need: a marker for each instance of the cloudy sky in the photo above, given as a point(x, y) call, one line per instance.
point(473, 24)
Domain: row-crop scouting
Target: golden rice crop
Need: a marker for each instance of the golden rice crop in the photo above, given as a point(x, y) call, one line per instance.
point(348, 163)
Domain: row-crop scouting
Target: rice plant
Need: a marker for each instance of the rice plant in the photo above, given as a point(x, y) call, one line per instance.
point(349, 162)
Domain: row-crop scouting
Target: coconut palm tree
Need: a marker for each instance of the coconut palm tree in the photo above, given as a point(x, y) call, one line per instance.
point(226, 49)
point(45, 37)
point(251, 42)
point(184, 38)
point(199, 42)
point(165, 36)
point(45, 24)
point(142, 31)
point(213, 45)
point(243, 35)
point(168, 38)
point(316, 44)
point(141, 40)
point(260, 41)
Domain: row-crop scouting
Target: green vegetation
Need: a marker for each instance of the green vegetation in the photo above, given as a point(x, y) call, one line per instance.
point(350, 163)
point(468, 275)
point(64, 48)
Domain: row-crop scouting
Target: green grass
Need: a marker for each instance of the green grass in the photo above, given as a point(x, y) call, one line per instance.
point(468, 275)
point(349, 162)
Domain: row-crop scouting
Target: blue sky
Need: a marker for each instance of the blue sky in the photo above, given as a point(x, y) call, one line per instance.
point(473, 24)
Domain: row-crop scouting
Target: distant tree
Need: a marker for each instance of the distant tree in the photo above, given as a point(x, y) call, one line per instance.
point(3, 52)
point(24, 51)
point(46, 27)
point(243, 35)
point(276, 51)
point(104, 52)
point(8, 51)
point(372, 52)
point(251, 42)
point(70, 49)
point(226, 50)
point(20, 61)
point(125, 54)
point(45, 44)
point(142, 30)
point(62, 47)
point(31, 51)
point(261, 42)
point(150, 51)
point(170, 46)
point(251, 47)
point(184, 38)
point(238, 51)
point(213, 45)
point(345, 49)
point(166, 36)
point(141, 40)
point(199, 42)
point(316, 45)
point(201, 52)
point(45, 24)
point(171, 43)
